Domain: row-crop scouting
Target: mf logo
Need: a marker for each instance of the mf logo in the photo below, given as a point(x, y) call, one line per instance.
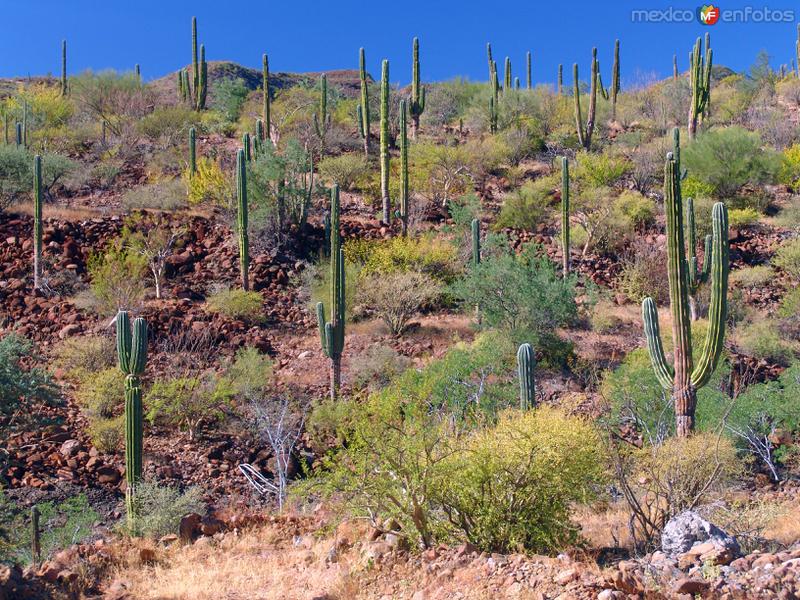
point(708, 15)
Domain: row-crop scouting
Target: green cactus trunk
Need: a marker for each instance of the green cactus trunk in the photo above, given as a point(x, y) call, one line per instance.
point(137, 71)
point(18, 134)
point(363, 107)
point(682, 379)
point(265, 91)
point(417, 105)
point(195, 64)
point(492, 66)
point(132, 357)
point(404, 201)
point(201, 96)
point(36, 541)
point(6, 138)
point(585, 132)
point(332, 332)
point(242, 220)
point(192, 152)
point(674, 67)
point(615, 81)
point(528, 82)
point(700, 80)
point(507, 79)
point(258, 139)
point(64, 88)
point(247, 147)
point(385, 200)
point(25, 123)
point(560, 81)
point(565, 215)
point(476, 242)
point(493, 102)
point(322, 119)
point(526, 363)
point(37, 222)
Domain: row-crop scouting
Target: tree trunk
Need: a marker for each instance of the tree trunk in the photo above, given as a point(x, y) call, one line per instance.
point(693, 308)
point(336, 376)
point(685, 403)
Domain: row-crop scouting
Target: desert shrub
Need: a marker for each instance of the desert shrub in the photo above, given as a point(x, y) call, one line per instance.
point(161, 508)
point(446, 101)
point(523, 294)
point(80, 356)
point(16, 173)
point(187, 402)
point(107, 435)
point(763, 340)
point(513, 485)
point(377, 367)
point(787, 258)
point(527, 207)
point(427, 254)
point(65, 523)
point(601, 169)
point(692, 187)
point(789, 172)
point(518, 143)
point(20, 384)
point(729, 158)
point(790, 304)
point(317, 283)
point(101, 394)
point(250, 371)
point(742, 217)
point(229, 96)
point(603, 318)
point(633, 211)
point(438, 173)
point(209, 184)
point(117, 279)
point(397, 297)
point(167, 124)
point(644, 274)
point(345, 169)
point(237, 304)
point(752, 277)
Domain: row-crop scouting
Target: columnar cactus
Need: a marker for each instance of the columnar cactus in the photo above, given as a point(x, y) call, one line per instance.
point(526, 363)
point(36, 541)
point(476, 242)
point(332, 332)
point(132, 357)
point(493, 102)
point(363, 106)
point(492, 65)
point(322, 119)
point(417, 105)
point(258, 139)
point(137, 71)
point(64, 89)
point(25, 123)
point(265, 91)
point(528, 82)
point(385, 200)
point(560, 81)
point(199, 86)
point(675, 67)
point(37, 222)
point(242, 221)
point(6, 139)
point(507, 79)
point(797, 51)
point(700, 80)
point(201, 95)
point(195, 61)
point(404, 205)
point(248, 154)
point(565, 214)
point(18, 134)
point(181, 89)
point(683, 378)
point(192, 151)
point(615, 81)
point(585, 133)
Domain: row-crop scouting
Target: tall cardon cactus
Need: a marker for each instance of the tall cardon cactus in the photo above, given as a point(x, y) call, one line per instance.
point(528, 82)
point(683, 378)
point(265, 115)
point(363, 106)
point(331, 331)
point(565, 214)
point(37, 222)
point(507, 78)
point(64, 88)
point(615, 81)
point(385, 199)
point(404, 200)
point(526, 363)
point(242, 220)
point(132, 357)
point(192, 151)
point(417, 104)
point(322, 119)
point(585, 131)
point(476, 242)
point(700, 80)
point(560, 80)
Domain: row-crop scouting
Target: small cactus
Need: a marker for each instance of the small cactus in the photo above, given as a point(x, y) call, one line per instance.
point(242, 221)
point(18, 134)
point(615, 81)
point(132, 357)
point(526, 362)
point(560, 80)
point(248, 154)
point(36, 541)
point(137, 71)
point(476, 242)
point(258, 139)
point(192, 151)
point(37, 222)
point(507, 75)
point(528, 82)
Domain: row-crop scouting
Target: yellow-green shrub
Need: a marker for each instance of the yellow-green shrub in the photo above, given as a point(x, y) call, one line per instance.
point(107, 434)
point(742, 217)
point(789, 172)
point(236, 304)
point(102, 394)
point(81, 356)
point(788, 258)
point(427, 254)
point(209, 184)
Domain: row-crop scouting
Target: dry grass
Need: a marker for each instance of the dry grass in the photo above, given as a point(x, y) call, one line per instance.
point(606, 528)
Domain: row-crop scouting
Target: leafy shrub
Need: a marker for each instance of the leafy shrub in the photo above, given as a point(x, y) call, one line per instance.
point(427, 254)
point(377, 367)
point(634, 211)
point(101, 394)
point(752, 277)
point(603, 318)
point(187, 402)
point(80, 356)
point(742, 217)
point(345, 169)
point(21, 385)
point(789, 172)
point(762, 340)
point(729, 158)
point(167, 124)
point(396, 297)
point(790, 304)
point(513, 485)
point(229, 96)
point(161, 508)
point(166, 195)
point(208, 184)
point(601, 169)
point(787, 258)
point(16, 173)
point(117, 279)
point(521, 294)
point(251, 371)
point(107, 435)
point(237, 304)
point(527, 207)
point(644, 274)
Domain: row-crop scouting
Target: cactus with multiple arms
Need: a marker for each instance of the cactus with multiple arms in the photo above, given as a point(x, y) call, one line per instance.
point(700, 80)
point(64, 88)
point(565, 214)
point(242, 220)
point(132, 356)
point(37, 222)
point(199, 85)
point(322, 119)
point(417, 104)
point(332, 332)
point(265, 90)
point(404, 203)
point(192, 151)
point(363, 107)
point(385, 200)
point(585, 132)
point(683, 378)
point(526, 362)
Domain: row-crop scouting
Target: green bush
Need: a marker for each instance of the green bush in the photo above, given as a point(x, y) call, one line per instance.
point(20, 384)
point(229, 95)
point(789, 172)
point(16, 173)
point(345, 169)
point(161, 508)
point(527, 207)
point(600, 169)
point(101, 394)
point(209, 184)
point(644, 274)
point(514, 485)
point(107, 435)
point(427, 254)
point(117, 279)
point(81, 356)
point(728, 159)
point(752, 277)
point(787, 258)
point(396, 298)
point(237, 304)
point(377, 367)
point(742, 217)
point(187, 402)
point(250, 372)
point(633, 211)
point(762, 340)
point(167, 124)
point(790, 304)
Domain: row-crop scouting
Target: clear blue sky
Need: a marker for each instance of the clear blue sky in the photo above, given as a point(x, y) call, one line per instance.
point(311, 36)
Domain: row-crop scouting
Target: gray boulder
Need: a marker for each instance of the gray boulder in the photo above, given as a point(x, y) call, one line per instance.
point(688, 529)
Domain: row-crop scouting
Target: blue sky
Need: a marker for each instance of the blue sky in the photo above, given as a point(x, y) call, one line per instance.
point(311, 36)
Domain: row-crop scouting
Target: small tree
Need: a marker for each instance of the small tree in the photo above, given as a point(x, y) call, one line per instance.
point(155, 245)
point(396, 297)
